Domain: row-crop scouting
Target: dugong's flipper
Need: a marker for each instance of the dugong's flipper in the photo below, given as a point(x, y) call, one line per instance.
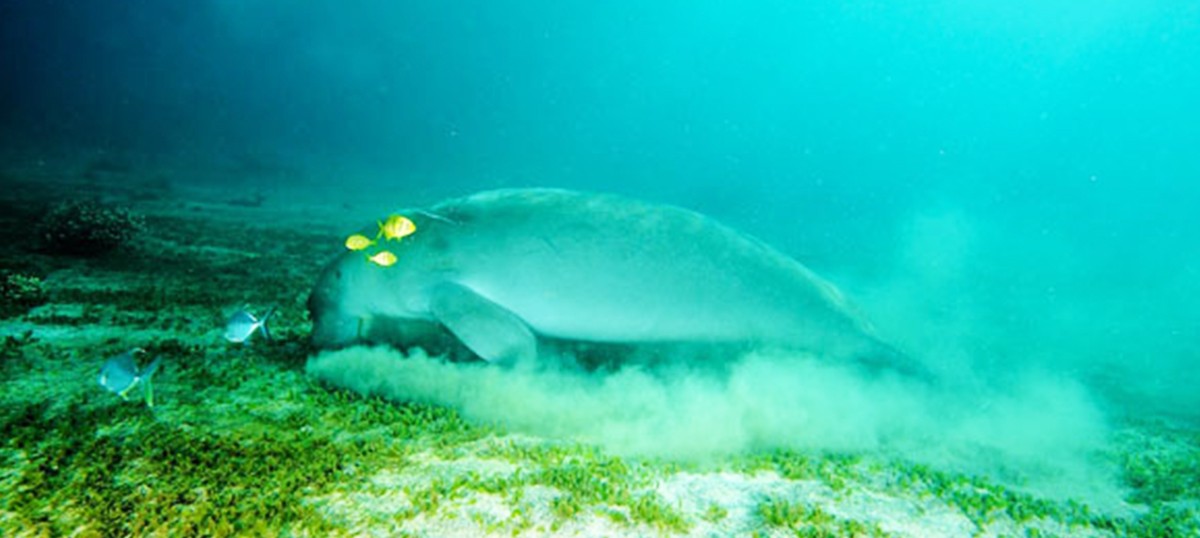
point(488, 329)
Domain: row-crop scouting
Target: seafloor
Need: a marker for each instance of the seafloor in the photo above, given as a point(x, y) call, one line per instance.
point(242, 442)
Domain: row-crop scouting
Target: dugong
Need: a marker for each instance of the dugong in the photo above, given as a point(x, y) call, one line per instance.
point(501, 271)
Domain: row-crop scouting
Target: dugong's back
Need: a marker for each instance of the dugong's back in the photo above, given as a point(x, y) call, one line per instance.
point(607, 268)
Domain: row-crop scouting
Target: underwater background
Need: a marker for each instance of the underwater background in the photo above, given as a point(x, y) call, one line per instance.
point(1008, 190)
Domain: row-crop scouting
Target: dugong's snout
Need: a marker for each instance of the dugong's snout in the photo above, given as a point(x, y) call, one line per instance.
point(348, 307)
point(332, 331)
point(333, 326)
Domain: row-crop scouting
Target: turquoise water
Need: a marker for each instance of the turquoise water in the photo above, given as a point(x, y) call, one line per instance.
point(1039, 157)
point(1007, 189)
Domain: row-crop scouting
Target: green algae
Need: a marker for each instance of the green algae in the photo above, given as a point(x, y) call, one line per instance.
point(19, 292)
point(811, 521)
point(13, 345)
point(88, 227)
point(1163, 466)
point(590, 482)
point(982, 501)
point(120, 470)
point(834, 470)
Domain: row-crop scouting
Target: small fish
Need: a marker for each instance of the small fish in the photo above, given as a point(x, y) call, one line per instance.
point(242, 325)
point(396, 227)
point(120, 375)
point(383, 259)
point(358, 242)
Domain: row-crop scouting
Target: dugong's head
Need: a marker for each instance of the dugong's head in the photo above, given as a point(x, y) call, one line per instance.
point(362, 299)
point(336, 309)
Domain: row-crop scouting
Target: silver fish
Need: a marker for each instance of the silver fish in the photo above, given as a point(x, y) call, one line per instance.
point(120, 374)
point(242, 325)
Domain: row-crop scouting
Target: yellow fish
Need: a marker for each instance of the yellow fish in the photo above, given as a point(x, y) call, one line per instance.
point(383, 259)
point(358, 242)
point(396, 227)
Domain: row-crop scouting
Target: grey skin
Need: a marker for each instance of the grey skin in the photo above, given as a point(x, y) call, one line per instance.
point(501, 271)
